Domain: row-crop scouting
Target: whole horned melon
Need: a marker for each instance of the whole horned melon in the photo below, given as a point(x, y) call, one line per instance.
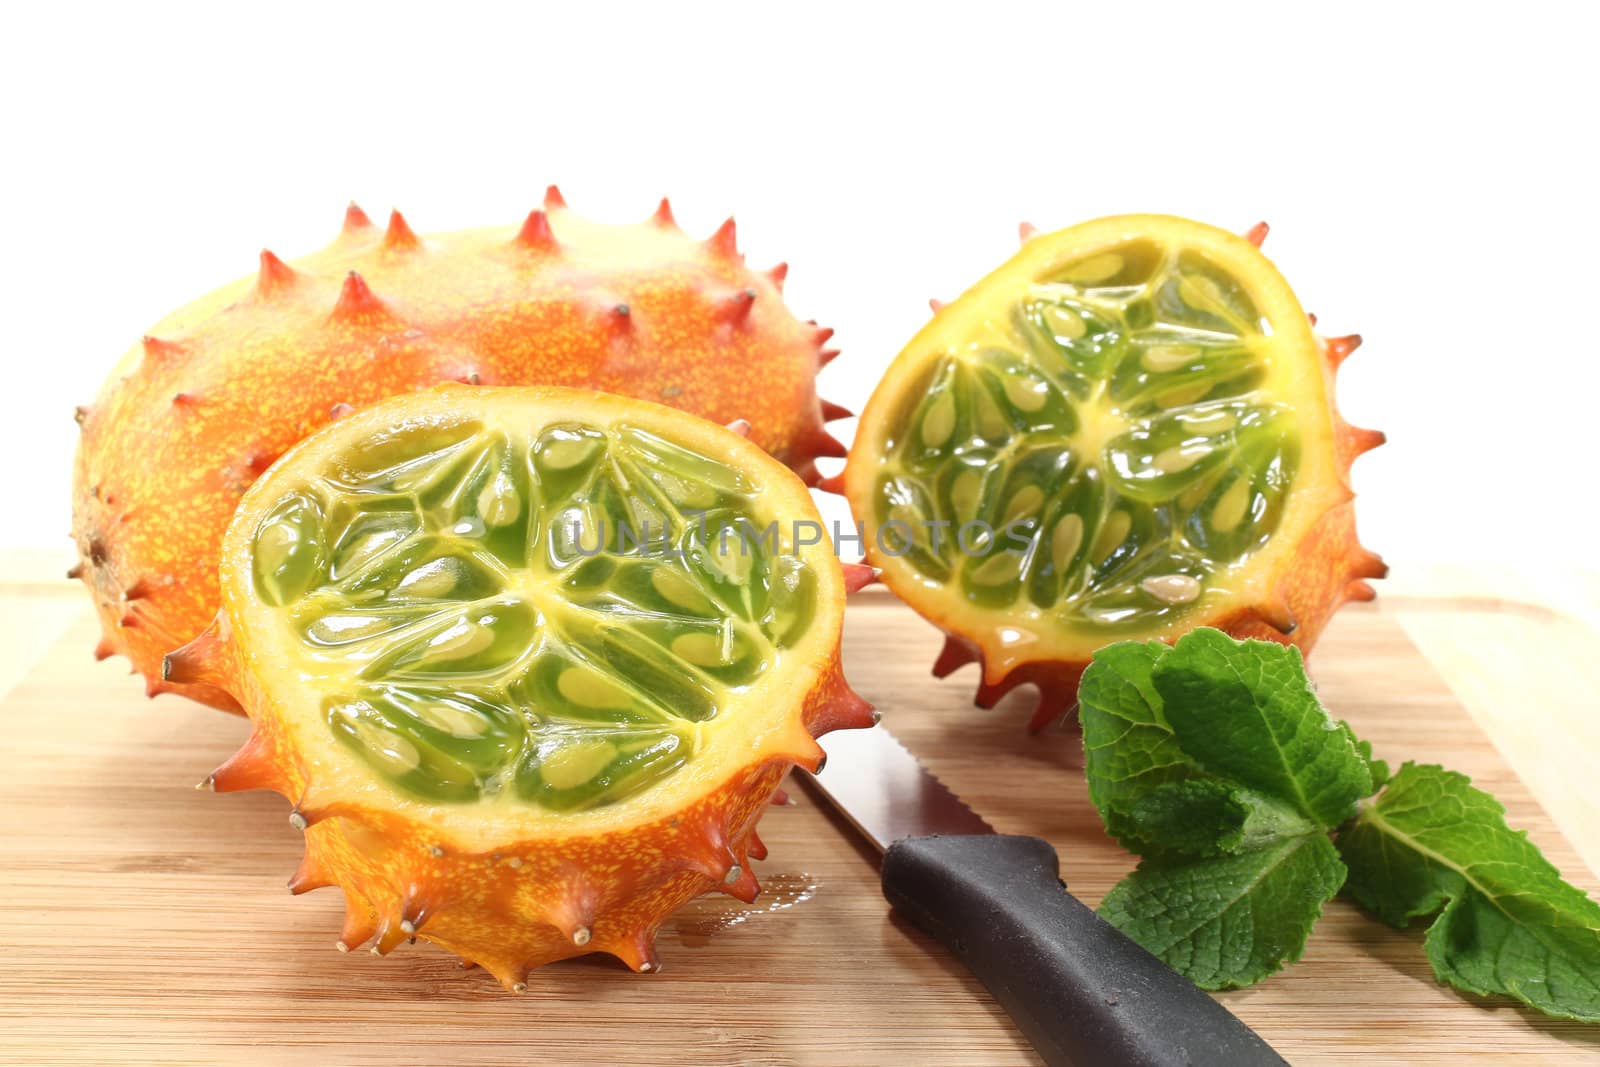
point(221, 388)
point(528, 662)
point(1126, 431)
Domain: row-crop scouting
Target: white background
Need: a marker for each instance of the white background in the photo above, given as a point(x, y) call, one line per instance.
point(1428, 172)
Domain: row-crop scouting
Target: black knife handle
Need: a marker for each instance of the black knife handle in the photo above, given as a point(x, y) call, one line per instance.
point(1081, 990)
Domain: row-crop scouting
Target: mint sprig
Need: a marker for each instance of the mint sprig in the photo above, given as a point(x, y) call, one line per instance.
point(1215, 762)
point(1506, 922)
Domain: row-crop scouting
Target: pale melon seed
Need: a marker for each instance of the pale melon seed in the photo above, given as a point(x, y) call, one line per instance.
point(1159, 359)
point(991, 422)
point(462, 640)
point(432, 580)
point(1184, 394)
point(678, 590)
point(1025, 394)
point(731, 555)
point(1064, 322)
point(457, 722)
point(1200, 293)
point(964, 493)
point(564, 453)
point(1214, 423)
point(396, 753)
point(1002, 568)
point(588, 689)
point(1112, 534)
point(275, 543)
point(573, 764)
point(1023, 504)
point(1065, 540)
point(1227, 511)
point(336, 629)
point(1172, 588)
point(499, 503)
point(1095, 269)
point(907, 516)
point(940, 421)
point(1175, 459)
point(703, 650)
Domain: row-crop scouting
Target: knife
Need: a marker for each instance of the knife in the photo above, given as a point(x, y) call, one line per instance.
point(1081, 990)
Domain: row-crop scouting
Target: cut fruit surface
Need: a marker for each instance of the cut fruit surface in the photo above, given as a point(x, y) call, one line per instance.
point(1125, 431)
point(529, 662)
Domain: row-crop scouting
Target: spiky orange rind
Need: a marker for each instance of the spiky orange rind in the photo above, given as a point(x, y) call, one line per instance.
point(219, 389)
point(454, 693)
point(1142, 402)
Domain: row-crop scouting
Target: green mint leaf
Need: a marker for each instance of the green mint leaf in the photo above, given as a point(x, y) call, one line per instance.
point(1129, 750)
point(1508, 923)
point(1244, 711)
point(1232, 920)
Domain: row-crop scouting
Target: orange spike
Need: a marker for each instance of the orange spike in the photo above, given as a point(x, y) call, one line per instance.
point(1363, 440)
point(857, 576)
point(740, 427)
point(1339, 348)
point(1026, 231)
point(1276, 613)
point(202, 660)
point(399, 237)
point(309, 875)
point(75, 572)
point(339, 411)
point(638, 952)
point(736, 308)
point(955, 654)
point(834, 484)
point(535, 233)
point(725, 242)
point(1257, 233)
point(780, 798)
point(359, 925)
point(390, 936)
point(832, 412)
point(184, 400)
point(827, 356)
point(744, 885)
point(1360, 591)
point(935, 304)
point(275, 276)
point(777, 275)
point(553, 199)
point(357, 302)
point(663, 215)
point(1366, 564)
point(355, 220)
point(138, 589)
point(827, 445)
point(251, 767)
point(159, 353)
point(104, 650)
point(823, 335)
point(80, 414)
point(756, 849)
point(1311, 317)
point(128, 621)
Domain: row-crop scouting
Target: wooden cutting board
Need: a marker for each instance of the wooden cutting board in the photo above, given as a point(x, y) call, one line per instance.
point(142, 921)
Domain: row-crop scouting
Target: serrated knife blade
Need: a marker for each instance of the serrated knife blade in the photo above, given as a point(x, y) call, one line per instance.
point(884, 792)
point(1079, 989)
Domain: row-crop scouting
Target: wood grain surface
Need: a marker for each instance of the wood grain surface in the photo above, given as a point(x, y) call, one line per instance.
point(142, 921)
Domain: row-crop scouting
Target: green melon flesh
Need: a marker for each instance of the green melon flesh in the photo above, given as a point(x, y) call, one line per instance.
point(1106, 450)
point(555, 617)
